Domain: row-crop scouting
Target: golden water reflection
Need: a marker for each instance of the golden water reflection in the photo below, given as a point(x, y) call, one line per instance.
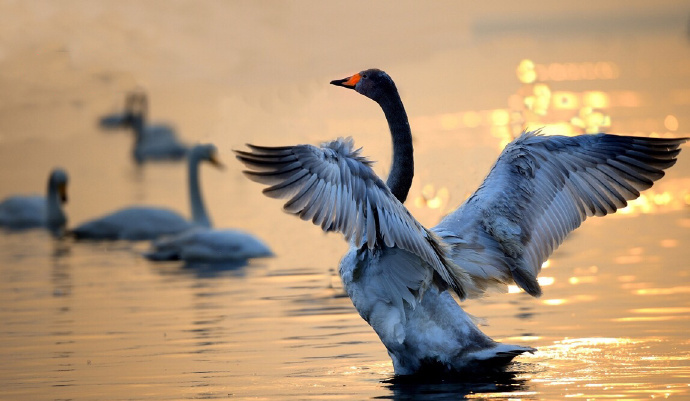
point(85, 320)
point(561, 112)
point(587, 378)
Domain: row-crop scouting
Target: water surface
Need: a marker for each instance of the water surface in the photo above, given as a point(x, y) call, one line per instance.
point(86, 320)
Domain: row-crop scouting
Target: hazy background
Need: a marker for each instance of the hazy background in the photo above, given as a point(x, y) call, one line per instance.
point(613, 321)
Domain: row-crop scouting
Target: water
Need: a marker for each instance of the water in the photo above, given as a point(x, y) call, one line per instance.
point(84, 320)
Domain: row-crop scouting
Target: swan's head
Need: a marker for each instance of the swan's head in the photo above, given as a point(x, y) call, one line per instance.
point(58, 180)
point(207, 152)
point(372, 83)
point(136, 106)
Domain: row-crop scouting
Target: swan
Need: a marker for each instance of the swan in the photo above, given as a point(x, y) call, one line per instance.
point(153, 142)
point(209, 246)
point(398, 273)
point(146, 223)
point(22, 212)
point(203, 244)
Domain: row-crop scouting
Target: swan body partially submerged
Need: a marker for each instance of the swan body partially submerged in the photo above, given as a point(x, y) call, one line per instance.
point(153, 142)
point(397, 272)
point(32, 211)
point(209, 246)
point(136, 223)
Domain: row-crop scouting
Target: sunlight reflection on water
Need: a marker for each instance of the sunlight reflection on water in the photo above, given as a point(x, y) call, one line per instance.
point(81, 319)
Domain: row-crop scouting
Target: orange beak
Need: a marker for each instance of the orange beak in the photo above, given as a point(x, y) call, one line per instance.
point(216, 162)
point(349, 82)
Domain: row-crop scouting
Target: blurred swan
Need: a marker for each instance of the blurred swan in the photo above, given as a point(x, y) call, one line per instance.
point(152, 142)
point(209, 246)
point(23, 212)
point(397, 271)
point(206, 245)
point(146, 223)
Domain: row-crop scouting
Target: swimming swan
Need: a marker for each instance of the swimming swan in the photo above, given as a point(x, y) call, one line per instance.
point(152, 142)
point(146, 223)
point(22, 212)
point(209, 246)
point(397, 271)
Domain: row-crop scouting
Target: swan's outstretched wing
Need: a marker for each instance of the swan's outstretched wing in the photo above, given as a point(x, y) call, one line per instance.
point(335, 188)
point(540, 189)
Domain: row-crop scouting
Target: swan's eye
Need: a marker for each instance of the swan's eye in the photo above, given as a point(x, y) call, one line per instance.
point(365, 76)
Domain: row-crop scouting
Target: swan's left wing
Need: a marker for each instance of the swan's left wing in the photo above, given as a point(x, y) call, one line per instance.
point(336, 188)
point(540, 189)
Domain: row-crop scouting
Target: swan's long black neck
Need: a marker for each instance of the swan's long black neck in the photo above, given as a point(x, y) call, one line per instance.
point(138, 125)
point(199, 215)
point(55, 217)
point(402, 167)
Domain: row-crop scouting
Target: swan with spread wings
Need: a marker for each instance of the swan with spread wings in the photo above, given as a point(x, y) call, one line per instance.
point(398, 273)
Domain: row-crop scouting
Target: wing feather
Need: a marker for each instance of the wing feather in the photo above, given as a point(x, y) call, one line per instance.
point(335, 188)
point(542, 188)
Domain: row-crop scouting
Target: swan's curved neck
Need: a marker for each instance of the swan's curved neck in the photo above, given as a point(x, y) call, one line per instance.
point(55, 217)
point(138, 127)
point(402, 167)
point(199, 215)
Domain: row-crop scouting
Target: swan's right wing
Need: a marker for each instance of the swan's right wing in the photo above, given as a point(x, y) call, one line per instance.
point(335, 188)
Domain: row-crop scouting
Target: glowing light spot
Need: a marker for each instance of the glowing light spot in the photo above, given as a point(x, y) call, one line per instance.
point(541, 90)
point(471, 119)
point(513, 289)
point(560, 129)
point(661, 311)
point(539, 103)
point(546, 264)
point(589, 341)
point(583, 280)
point(565, 101)
point(645, 319)
point(500, 117)
point(554, 302)
point(432, 198)
point(662, 198)
point(596, 99)
point(428, 191)
point(504, 143)
point(545, 281)
point(526, 72)
point(671, 123)
point(501, 132)
point(664, 291)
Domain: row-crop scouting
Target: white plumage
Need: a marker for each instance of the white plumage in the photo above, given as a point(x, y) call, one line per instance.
point(396, 271)
point(152, 141)
point(145, 223)
point(209, 246)
point(32, 211)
